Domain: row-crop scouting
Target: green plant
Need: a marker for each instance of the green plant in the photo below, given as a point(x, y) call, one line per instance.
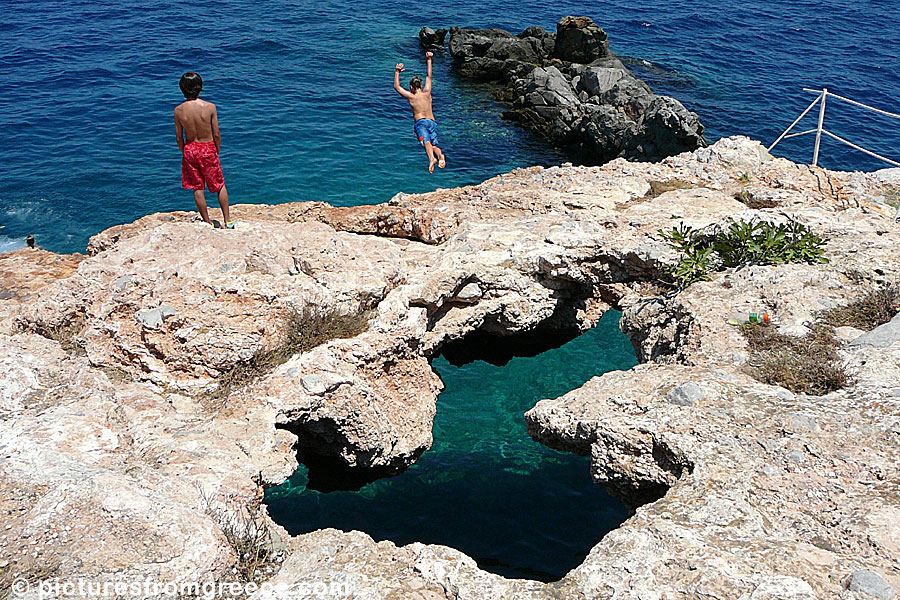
point(302, 332)
point(804, 365)
point(696, 254)
point(745, 176)
point(762, 243)
point(740, 243)
point(868, 311)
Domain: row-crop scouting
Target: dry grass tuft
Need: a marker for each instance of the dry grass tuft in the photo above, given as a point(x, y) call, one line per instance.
point(303, 331)
point(754, 202)
point(870, 310)
point(65, 332)
point(804, 365)
point(658, 188)
point(247, 532)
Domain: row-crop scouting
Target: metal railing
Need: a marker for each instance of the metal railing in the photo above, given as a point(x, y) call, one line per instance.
point(823, 96)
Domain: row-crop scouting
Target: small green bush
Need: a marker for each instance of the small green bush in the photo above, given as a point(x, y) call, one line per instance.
point(762, 243)
point(739, 244)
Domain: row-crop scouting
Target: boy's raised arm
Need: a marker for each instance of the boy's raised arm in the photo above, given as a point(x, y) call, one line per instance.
point(428, 56)
point(405, 93)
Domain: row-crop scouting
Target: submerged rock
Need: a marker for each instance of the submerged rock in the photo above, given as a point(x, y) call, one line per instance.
point(431, 39)
point(572, 88)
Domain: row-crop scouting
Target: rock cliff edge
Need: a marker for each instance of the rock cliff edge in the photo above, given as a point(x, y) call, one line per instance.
point(123, 449)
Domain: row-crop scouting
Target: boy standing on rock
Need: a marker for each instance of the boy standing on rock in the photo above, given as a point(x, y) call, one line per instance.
point(197, 134)
point(420, 101)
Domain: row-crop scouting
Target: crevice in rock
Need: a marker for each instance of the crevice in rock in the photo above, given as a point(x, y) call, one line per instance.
point(332, 474)
point(520, 510)
point(390, 236)
point(500, 349)
point(322, 449)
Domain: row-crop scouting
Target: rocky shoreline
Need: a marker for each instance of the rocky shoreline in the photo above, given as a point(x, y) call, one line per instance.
point(572, 89)
point(116, 466)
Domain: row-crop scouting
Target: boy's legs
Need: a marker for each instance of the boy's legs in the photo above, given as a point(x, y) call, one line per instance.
point(223, 203)
point(429, 150)
point(200, 200)
point(442, 162)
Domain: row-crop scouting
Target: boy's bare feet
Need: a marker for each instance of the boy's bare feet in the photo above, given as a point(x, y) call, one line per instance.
point(443, 162)
point(431, 163)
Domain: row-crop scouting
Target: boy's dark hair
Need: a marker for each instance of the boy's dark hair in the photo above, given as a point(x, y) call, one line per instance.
point(191, 85)
point(415, 83)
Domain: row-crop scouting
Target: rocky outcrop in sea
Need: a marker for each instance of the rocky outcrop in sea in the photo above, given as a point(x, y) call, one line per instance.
point(571, 88)
point(118, 464)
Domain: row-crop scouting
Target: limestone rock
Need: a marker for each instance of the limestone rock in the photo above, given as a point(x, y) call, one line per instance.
point(871, 584)
point(882, 336)
point(685, 394)
point(114, 465)
point(153, 317)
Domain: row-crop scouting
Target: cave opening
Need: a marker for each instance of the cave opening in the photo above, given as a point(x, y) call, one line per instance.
point(519, 508)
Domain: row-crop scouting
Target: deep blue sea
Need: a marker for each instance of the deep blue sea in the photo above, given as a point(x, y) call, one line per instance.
point(307, 110)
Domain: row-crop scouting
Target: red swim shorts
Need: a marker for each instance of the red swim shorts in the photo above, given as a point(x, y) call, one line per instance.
point(200, 165)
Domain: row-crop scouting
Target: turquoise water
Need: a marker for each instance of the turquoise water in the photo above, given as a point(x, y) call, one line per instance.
point(486, 488)
point(308, 113)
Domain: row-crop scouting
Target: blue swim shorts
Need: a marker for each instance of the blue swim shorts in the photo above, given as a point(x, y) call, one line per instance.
point(426, 131)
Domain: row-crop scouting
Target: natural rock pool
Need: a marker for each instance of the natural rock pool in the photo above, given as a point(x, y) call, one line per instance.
point(517, 507)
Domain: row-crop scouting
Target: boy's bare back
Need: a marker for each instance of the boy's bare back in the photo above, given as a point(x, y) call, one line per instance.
point(198, 119)
point(420, 103)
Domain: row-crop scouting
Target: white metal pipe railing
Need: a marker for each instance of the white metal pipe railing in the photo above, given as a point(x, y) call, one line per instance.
point(861, 149)
point(866, 106)
point(822, 97)
point(819, 127)
point(821, 100)
point(797, 120)
point(799, 134)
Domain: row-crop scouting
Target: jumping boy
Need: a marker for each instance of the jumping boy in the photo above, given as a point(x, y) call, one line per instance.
point(420, 100)
point(197, 134)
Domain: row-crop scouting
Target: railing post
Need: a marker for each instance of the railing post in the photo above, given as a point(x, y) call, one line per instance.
point(815, 161)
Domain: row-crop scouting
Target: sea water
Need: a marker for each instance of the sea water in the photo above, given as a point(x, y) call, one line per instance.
point(307, 109)
point(517, 507)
